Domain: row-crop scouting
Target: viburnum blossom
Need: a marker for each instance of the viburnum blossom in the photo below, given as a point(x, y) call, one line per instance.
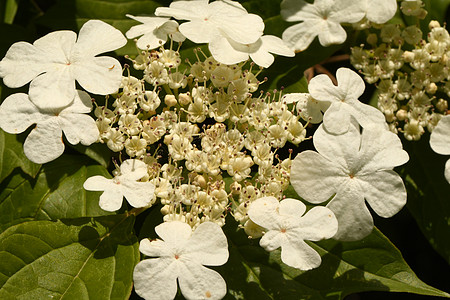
point(440, 141)
point(44, 143)
point(379, 11)
point(323, 19)
point(350, 168)
point(53, 63)
point(288, 227)
point(182, 254)
point(344, 101)
point(154, 31)
point(125, 184)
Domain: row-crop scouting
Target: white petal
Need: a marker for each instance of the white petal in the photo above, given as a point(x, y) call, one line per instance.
point(440, 137)
point(97, 183)
point(111, 199)
point(332, 33)
point(223, 52)
point(54, 89)
point(367, 115)
point(262, 58)
point(262, 211)
point(174, 232)
point(198, 282)
point(96, 37)
point(381, 11)
point(315, 178)
point(138, 194)
point(322, 88)
point(79, 128)
point(300, 36)
point(317, 224)
point(99, 75)
point(272, 240)
point(298, 10)
point(354, 219)
point(152, 40)
point(208, 244)
point(156, 279)
point(346, 11)
point(274, 44)
point(341, 149)
point(350, 83)
point(82, 103)
point(447, 170)
point(155, 248)
point(199, 31)
point(44, 143)
point(184, 10)
point(17, 113)
point(337, 118)
point(291, 207)
point(385, 192)
point(133, 169)
point(244, 29)
point(298, 254)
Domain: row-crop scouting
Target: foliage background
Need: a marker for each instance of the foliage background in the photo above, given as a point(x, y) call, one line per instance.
point(38, 199)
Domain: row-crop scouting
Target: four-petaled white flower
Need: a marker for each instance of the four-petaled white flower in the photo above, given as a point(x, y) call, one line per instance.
point(183, 255)
point(230, 52)
point(44, 143)
point(125, 184)
point(344, 101)
point(154, 31)
point(323, 19)
point(379, 11)
point(440, 141)
point(351, 168)
point(288, 229)
point(53, 63)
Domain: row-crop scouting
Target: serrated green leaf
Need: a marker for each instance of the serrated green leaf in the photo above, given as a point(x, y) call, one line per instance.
point(372, 264)
point(69, 259)
point(12, 156)
point(428, 193)
point(57, 192)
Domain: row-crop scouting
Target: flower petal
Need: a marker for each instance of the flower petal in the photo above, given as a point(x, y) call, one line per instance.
point(96, 37)
point(262, 212)
point(17, 113)
point(380, 11)
point(440, 137)
point(384, 191)
point(198, 282)
point(208, 244)
point(97, 183)
point(223, 52)
point(354, 219)
point(317, 224)
point(156, 279)
point(315, 178)
point(111, 199)
point(44, 143)
point(155, 248)
point(99, 75)
point(272, 240)
point(138, 194)
point(447, 170)
point(133, 169)
point(174, 232)
point(332, 33)
point(79, 128)
point(54, 89)
point(297, 254)
point(300, 36)
point(298, 10)
point(291, 207)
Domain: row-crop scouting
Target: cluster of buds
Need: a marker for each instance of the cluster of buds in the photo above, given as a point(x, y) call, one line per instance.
point(209, 144)
point(412, 84)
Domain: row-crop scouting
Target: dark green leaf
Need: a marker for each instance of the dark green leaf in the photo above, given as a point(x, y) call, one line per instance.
point(70, 259)
point(12, 156)
point(98, 152)
point(372, 264)
point(429, 193)
point(8, 10)
point(57, 192)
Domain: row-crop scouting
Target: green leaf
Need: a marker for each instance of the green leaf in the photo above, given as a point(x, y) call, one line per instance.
point(57, 192)
point(9, 10)
point(69, 259)
point(372, 264)
point(12, 156)
point(98, 152)
point(428, 193)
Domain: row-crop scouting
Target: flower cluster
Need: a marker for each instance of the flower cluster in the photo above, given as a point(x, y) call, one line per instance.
point(410, 101)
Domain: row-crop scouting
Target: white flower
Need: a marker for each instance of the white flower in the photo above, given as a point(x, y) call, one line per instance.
point(232, 33)
point(230, 52)
point(307, 107)
point(154, 31)
point(323, 19)
point(44, 143)
point(440, 141)
point(379, 11)
point(125, 184)
point(288, 229)
point(53, 63)
point(351, 168)
point(344, 101)
point(182, 255)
